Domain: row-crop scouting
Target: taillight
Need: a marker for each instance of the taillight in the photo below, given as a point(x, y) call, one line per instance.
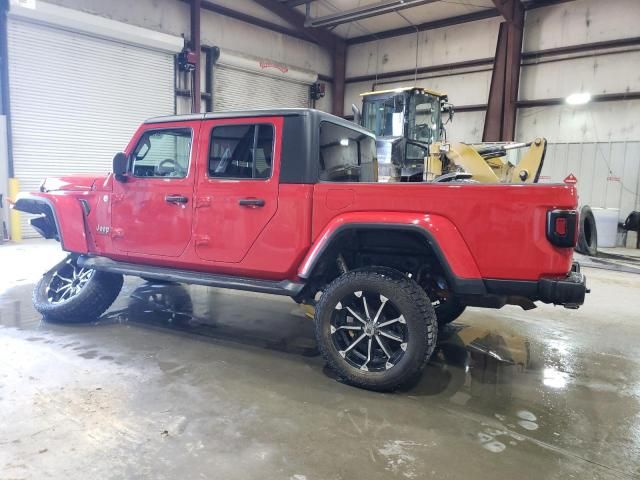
point(562, 227)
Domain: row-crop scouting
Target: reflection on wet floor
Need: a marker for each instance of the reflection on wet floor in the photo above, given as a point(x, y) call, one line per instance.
point(488, 357)
point(485, 359)
point(504, 382)
point(267, 322)
point(485, 356)
point(470, 360)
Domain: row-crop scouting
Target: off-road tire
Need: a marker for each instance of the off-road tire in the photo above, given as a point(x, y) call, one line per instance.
point(92, 301)
point(587, 233)
point(413, 304)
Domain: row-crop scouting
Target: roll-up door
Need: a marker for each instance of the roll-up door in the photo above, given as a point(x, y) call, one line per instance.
point(244, 83)
point(77, 98)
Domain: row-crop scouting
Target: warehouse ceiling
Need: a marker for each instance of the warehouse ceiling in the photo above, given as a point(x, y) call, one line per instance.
point(354, 21)
point(371, 19)
point(354, 18)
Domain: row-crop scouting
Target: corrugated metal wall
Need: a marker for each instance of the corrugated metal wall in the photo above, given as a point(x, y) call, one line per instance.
point(236, 89)
point(608, 173)
point(76, 100)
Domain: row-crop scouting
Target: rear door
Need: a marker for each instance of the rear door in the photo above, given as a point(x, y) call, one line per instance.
point(237, 185)
point(152, 211)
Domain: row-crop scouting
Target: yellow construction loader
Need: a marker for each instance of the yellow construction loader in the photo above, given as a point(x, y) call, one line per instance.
point(413, 147)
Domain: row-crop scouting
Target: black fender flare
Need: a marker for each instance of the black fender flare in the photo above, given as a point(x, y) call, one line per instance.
point(47, 223)
point(461, 286)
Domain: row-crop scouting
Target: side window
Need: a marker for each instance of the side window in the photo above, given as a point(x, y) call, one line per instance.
point(162, 153)
point(346, 155)
point(241, 151)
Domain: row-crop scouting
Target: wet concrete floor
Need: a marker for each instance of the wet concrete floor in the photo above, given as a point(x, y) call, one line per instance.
point(191, 382)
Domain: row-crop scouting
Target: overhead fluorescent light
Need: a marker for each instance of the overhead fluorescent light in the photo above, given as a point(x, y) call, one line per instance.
point(578, 98)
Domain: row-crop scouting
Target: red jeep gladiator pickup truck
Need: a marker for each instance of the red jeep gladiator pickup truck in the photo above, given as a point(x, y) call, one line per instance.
point(287, 202)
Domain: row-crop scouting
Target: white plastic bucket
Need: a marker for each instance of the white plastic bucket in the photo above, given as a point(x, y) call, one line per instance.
point(606, 225)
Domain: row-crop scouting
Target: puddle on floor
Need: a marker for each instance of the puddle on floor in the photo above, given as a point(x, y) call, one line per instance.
point(519, 383)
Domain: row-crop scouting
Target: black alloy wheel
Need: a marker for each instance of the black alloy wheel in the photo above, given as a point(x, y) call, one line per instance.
point(376, 328)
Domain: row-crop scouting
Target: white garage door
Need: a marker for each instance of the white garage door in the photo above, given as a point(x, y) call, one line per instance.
point(76, 99)
point(236, 89)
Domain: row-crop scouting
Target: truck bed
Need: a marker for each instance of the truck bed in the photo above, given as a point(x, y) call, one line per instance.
point(504, 226)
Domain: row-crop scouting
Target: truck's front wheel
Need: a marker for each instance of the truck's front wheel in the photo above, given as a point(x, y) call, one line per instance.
point(376, 328)
point(69, 293)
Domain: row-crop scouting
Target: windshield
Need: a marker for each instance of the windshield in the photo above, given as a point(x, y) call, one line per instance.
point(424, 118)
point(384, 117)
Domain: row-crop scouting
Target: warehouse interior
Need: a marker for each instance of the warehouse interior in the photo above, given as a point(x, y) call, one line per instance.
point(181, 380)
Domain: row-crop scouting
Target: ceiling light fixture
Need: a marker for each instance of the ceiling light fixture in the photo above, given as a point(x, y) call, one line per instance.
point(578, 98)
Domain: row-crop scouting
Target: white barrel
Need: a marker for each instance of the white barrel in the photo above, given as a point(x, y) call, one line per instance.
point(606, 225)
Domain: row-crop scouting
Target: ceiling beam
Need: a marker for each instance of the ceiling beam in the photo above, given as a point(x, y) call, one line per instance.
point(445, 22)
point(295, 3)
point(531, 4)
point(258, 22)
point(366, 11)
point(511, 10)
point(448, 22)
point(297, 20)
point(447, 67)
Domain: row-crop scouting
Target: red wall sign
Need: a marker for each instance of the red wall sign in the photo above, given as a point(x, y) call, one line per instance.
point(571, 179)
point(282, 68)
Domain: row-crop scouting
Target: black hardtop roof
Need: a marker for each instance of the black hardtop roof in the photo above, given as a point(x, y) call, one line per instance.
point(317, 115)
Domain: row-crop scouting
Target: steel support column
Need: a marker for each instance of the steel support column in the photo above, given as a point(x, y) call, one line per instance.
point(195, 47)
point(4, 84)
point(339, 71)
point(500, 120)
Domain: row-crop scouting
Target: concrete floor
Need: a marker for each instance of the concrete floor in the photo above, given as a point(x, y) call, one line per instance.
point(191, 382)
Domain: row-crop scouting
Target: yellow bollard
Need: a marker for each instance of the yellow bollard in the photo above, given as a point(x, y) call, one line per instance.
point(14, 215)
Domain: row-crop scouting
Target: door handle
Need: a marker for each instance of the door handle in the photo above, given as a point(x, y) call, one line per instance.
point(178, 199)
point(251, 202)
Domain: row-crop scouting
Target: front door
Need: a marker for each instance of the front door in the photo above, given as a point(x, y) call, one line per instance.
point(152, 209)
point(237, 187)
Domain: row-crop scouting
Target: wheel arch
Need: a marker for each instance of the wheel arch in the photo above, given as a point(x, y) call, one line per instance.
point(436, 234)
point(69, 229)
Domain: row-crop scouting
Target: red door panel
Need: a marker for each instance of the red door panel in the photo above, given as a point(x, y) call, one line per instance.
point(153, 215)
point(231, 210)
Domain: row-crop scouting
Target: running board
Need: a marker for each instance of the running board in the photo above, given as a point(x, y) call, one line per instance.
point(275, 287)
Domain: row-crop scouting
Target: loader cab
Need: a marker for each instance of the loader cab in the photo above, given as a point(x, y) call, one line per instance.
point(405, 121)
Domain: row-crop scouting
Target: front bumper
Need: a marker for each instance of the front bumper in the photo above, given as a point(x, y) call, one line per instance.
point(568, 291)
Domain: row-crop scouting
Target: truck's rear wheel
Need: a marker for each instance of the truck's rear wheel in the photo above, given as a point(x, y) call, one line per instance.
point(69, 293)
point(376, 328)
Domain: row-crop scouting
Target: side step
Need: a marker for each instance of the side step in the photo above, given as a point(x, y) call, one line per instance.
point(275, 287)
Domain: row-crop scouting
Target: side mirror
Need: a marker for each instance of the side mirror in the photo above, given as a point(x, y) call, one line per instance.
point(448, 109)
point(120, 165)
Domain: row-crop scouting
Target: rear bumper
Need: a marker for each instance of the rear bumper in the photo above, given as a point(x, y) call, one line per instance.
point(568, 291)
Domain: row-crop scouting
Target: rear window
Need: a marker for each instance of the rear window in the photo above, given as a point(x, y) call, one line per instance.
point(241, 151)
point(346, 155)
